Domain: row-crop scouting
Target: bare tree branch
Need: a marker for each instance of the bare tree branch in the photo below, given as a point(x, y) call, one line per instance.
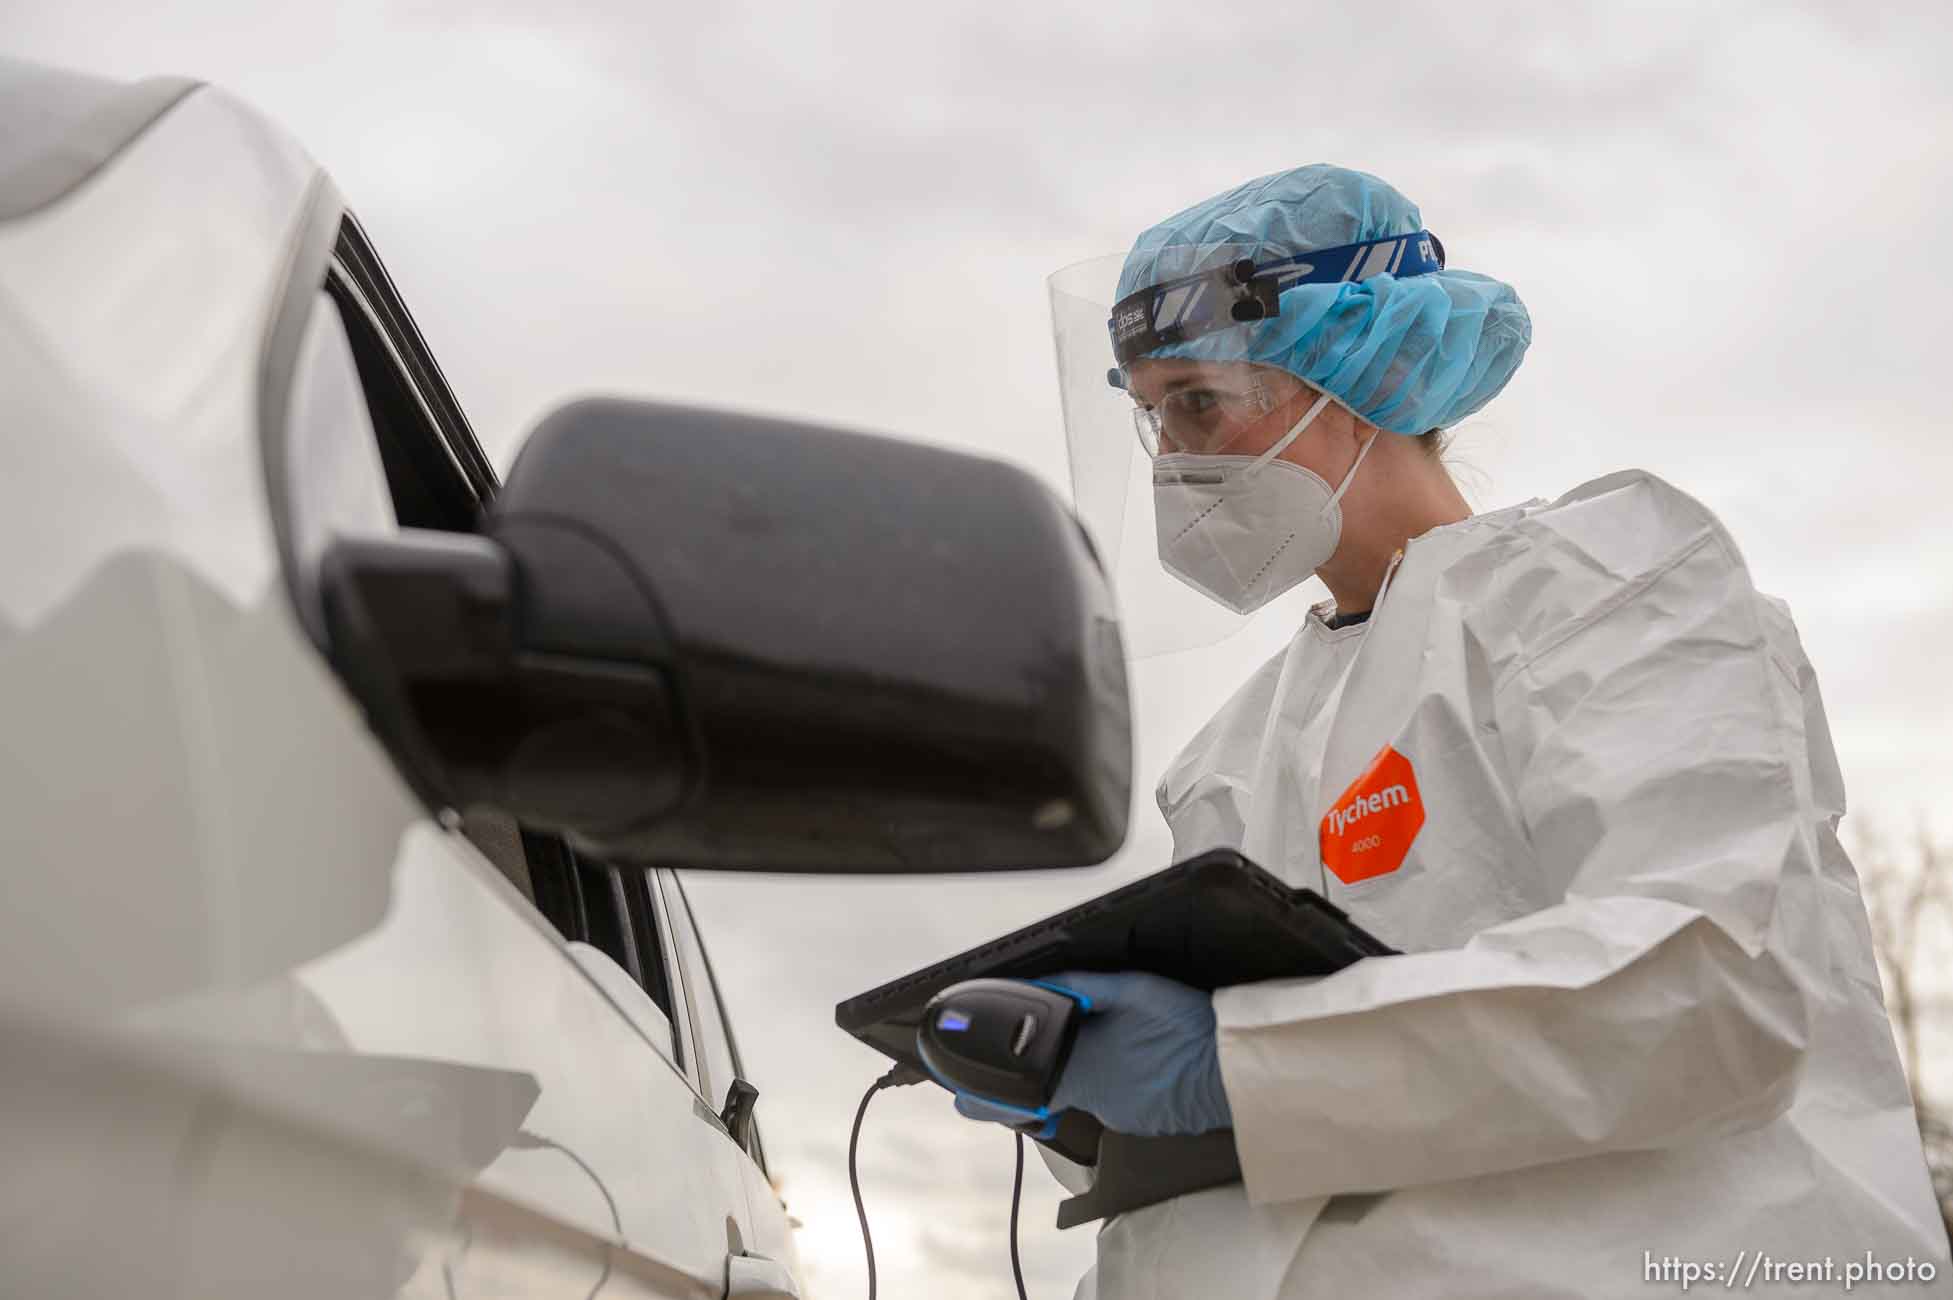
point(1905, 907)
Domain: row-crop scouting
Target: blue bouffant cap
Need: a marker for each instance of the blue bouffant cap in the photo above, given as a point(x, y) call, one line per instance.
point(1408, 352)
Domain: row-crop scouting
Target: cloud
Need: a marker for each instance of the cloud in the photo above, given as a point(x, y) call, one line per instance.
point(1729, 223)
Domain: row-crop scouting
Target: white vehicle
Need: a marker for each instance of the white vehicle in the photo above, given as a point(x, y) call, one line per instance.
point(330, 961)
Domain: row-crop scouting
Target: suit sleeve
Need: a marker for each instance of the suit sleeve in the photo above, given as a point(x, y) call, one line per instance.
point(1656, 758)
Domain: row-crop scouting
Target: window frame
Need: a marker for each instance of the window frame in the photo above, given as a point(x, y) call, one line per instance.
point(685, 1027)
point(712, 1088)
point(756, 1149)
point(357, 274)
point(420, 413)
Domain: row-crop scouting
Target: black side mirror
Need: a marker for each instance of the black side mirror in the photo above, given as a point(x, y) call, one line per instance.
point(712, 640)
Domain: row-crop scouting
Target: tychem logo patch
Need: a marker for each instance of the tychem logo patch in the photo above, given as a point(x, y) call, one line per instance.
point(1369, 829)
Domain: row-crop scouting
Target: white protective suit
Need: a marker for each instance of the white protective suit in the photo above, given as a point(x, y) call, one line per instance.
point(1638, 1016)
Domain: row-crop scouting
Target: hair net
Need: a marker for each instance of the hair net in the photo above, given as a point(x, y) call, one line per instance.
point(1408, 355)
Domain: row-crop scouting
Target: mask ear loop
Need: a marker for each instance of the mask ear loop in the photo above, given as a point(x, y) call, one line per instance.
point(1350, 477)
point(1295, 431)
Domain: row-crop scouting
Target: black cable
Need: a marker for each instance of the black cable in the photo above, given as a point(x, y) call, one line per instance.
point(900, 1076)
point(854, 1181)
point(1016, 1194)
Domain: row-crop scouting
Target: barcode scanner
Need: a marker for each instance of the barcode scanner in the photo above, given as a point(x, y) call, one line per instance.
point(1003, 1042)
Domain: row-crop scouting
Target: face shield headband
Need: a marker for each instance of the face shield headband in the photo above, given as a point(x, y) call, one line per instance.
point(1243, 292)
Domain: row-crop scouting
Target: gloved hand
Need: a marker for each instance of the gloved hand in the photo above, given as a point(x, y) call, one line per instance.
point(1146, 1061)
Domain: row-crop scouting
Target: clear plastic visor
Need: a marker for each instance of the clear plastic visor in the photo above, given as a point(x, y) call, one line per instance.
point(1118, 419)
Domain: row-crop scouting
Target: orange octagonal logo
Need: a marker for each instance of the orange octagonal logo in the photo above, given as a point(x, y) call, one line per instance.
point(1368, 831)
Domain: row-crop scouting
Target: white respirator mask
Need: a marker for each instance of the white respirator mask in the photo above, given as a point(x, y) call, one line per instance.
point(1241, 530)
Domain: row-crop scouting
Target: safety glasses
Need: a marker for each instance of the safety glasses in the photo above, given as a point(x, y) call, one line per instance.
point(1205, 417)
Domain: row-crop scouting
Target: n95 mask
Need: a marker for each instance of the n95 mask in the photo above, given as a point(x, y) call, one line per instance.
point(1241, 530)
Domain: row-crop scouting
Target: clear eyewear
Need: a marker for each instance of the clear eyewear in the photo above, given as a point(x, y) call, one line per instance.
point(1203, 419)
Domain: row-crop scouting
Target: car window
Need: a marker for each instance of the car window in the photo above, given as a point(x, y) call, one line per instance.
point(435, 469)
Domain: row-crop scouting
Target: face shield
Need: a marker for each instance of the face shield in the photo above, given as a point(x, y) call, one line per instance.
point(1195, 366)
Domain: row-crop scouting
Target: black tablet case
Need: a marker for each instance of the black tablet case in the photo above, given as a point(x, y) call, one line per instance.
point(1211, 922)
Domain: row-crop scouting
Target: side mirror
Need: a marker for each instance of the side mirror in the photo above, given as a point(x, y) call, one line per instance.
point(711, 640)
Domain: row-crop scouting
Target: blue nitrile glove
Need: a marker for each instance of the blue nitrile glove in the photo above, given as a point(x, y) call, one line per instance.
point(1146, 1061)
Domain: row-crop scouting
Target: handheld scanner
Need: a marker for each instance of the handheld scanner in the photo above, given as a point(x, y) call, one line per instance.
point(1003, 1042)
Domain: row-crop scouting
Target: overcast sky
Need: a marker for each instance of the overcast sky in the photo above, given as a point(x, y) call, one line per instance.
point(1729, 223)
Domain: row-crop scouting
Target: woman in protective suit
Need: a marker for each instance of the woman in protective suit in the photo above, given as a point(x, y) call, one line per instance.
point(1564, 756)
